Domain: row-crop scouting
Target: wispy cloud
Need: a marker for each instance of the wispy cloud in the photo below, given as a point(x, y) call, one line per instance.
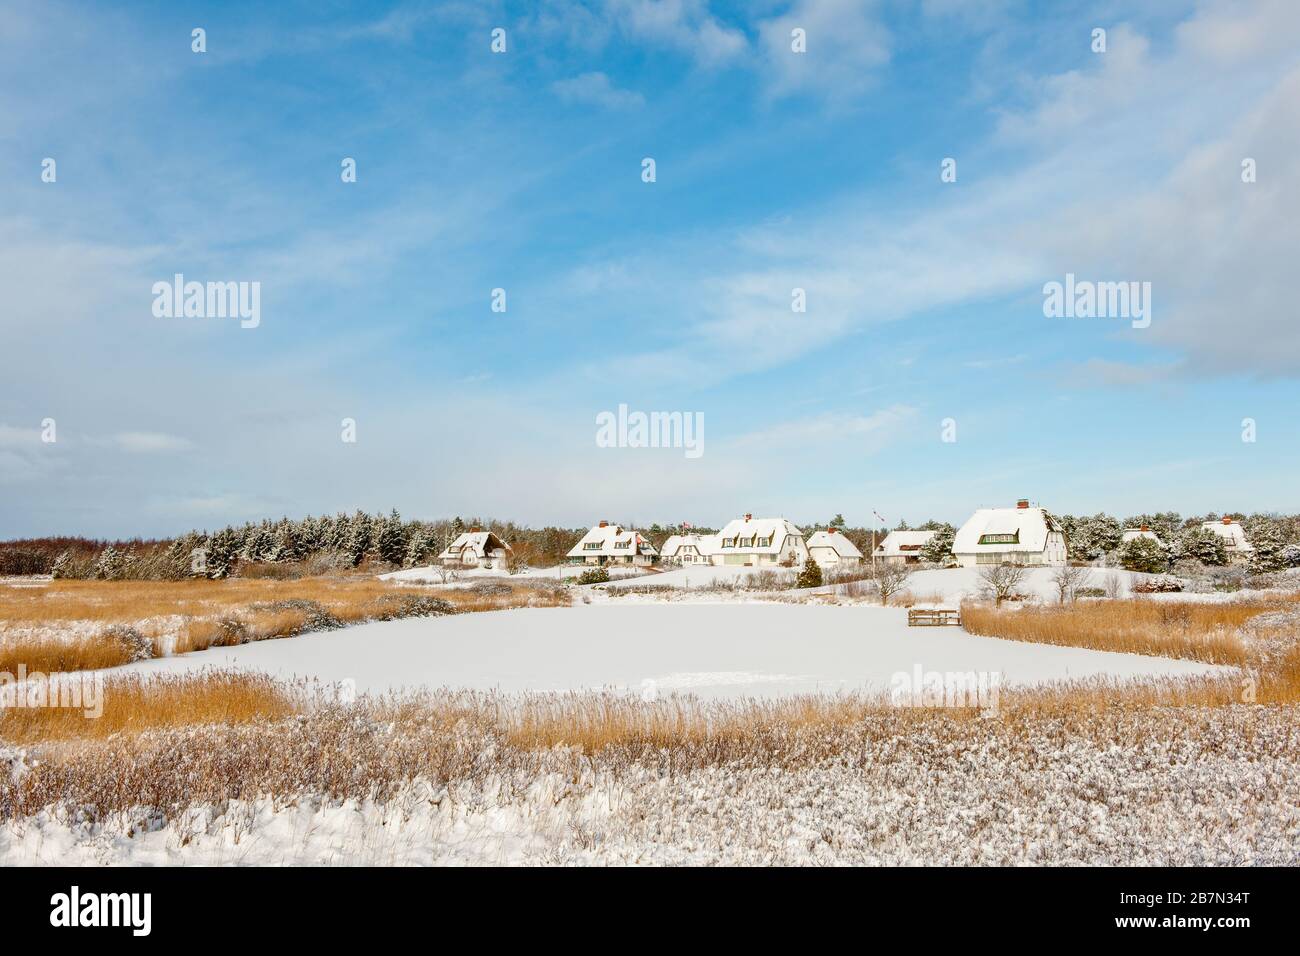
point(595, 89)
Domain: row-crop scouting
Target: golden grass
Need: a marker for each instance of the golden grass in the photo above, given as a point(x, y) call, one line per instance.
point(134, 703)
point(1205, 632)
point(211, 613)
point(51, 654)
point(111, 602)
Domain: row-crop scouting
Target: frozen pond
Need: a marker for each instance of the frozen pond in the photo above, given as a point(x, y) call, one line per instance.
point(715, 650)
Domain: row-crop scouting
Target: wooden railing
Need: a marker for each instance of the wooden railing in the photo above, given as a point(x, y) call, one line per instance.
point(933, 617)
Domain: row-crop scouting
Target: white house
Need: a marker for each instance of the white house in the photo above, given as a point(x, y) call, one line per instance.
point(755, 541)
point(1132, 534)
point(477, 548)
point(830, 547)
point(1019, 535)
point(612, 544)
point(1234, 538)
point(689, 549)
point(903, 547)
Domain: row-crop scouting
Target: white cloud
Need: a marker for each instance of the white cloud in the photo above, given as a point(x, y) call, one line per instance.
point(847, 46)
point(595, 89)
point(150, 442)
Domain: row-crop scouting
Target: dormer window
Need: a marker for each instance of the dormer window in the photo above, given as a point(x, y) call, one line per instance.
point(1000, 538)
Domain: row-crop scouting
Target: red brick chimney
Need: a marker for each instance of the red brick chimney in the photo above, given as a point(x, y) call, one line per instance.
point(604, 524)
point(1227, 520)
point(1022, 503)
point(1145, 528)
point(748, 516)
point(830, 530)
point(475, 530)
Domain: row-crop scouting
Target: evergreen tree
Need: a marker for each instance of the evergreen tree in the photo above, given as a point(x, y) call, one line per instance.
point(1143, 554)
point(62, 566)
point(223, 551)
point(390, 538)
point(810, 575)
point(1267, 553)
point(1200, 544)
point(417, 549)
point(939, 548)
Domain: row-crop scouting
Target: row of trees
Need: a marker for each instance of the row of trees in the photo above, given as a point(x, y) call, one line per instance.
point(349, 540)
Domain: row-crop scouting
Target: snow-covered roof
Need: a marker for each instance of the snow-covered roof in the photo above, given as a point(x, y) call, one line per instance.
point(1233, 534)
point(702, 543)
point(836, 540)
point(611, 540)
point(1131, 534)
point(1028, 527)
point(478, 542)
point(903, 543)
point(752, 530)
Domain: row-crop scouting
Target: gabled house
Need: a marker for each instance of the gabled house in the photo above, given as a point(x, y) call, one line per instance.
point(903, 547)
point(1234, 538)
point(1019, 535)
point(477, 548)
point(687, 549)
point(757, 541)
point(612, 544)
point(1132, 534)
point(829, 548)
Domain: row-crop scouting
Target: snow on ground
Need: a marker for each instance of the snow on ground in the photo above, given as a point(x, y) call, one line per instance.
point(713, 650)
point(1220, 791)
point(432, 574)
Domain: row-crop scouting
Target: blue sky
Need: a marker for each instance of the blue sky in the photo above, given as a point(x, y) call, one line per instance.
point(522, 171)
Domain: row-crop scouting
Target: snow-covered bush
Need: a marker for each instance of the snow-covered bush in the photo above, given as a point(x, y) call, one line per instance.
point(596, 575)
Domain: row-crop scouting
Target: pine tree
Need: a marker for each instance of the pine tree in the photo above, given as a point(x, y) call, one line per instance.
point(222, 553)
point(417, 549)
point(1200, 544)
point(1143, 554)
point(390, 538)
point(1267, 553)
point(109, 564)
point(939, 548)
point(62, 566)
point(810, 575)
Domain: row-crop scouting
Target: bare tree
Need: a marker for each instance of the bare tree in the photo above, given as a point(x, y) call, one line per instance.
point(1001, 580)
point(890, 579)
point(1068, 580)
point(446, 573)
point(1114, 586)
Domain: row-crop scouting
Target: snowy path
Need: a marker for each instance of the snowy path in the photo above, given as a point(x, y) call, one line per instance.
point(714, 650)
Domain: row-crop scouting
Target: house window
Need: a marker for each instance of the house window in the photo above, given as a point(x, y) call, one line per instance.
point(1000, 538)
point(764, 542)
point(591, 546)
point(728, 542)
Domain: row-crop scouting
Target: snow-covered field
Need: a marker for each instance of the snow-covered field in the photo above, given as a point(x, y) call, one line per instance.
point(1213, 788)
point(431, 574)
point(714, 650)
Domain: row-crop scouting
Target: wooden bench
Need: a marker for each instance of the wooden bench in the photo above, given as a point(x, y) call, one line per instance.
point(933, 617)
